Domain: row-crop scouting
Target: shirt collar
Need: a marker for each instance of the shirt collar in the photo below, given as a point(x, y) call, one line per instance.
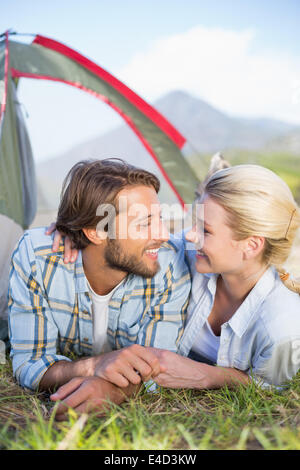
point(80, 279)
point(212, 282)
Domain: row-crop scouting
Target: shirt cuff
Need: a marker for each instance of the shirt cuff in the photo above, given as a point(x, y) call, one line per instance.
point(151, 386)
point(30, 374)
point(260, 382)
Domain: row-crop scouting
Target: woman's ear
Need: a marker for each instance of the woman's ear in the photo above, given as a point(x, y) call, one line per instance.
point(95, 236)
point(253, 247)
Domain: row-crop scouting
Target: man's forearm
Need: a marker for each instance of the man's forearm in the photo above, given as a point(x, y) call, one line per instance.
point(62, 372)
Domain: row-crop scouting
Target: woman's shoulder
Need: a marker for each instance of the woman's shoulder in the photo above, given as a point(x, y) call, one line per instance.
point(280, 311)
point(280, 296)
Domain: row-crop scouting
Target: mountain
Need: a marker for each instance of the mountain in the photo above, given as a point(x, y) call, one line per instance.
point(210, 130)
point(289, 143)
point(207, 130)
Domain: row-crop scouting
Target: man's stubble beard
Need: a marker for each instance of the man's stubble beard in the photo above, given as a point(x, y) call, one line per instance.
point(116, 258)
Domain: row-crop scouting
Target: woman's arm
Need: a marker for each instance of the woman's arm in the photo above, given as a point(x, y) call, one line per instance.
point(182, 372)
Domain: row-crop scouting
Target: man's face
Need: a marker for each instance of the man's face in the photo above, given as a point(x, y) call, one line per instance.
point(139, 232)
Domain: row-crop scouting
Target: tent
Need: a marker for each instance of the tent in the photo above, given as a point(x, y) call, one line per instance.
point(48, 59)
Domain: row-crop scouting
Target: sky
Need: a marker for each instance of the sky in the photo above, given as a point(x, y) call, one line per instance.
point(241, 56)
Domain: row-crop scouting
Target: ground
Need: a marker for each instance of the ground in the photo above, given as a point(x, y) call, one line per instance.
point(242, 418)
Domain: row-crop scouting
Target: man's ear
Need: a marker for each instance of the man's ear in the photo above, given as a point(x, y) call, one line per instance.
point(253, 247)
point(95, 236)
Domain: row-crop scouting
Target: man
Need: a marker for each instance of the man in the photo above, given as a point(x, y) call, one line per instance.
point(127, 290)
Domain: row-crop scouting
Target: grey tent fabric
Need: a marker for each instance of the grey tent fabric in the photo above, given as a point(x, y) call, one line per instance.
point(18, 191)
point(4, 332)
point(29, 185)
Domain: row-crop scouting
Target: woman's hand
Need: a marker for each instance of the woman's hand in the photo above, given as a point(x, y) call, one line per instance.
point(181, 372)
point(70, 253)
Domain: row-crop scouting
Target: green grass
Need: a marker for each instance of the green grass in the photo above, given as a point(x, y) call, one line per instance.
point(239, 419)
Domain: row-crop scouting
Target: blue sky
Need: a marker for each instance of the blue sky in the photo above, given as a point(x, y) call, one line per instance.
point(242, 56)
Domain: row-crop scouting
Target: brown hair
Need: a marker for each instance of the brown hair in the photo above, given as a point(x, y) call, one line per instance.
point(90, 183)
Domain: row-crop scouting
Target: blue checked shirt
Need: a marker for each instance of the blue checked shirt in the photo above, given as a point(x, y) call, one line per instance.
point(50, 308)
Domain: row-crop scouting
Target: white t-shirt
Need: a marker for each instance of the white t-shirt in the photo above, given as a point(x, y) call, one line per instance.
point(207, 343)
point(100, 320)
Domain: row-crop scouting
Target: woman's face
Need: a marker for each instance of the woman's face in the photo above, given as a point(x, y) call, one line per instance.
point(218, 252)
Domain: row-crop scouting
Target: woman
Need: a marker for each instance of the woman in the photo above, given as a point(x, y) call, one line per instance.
point(244, 311)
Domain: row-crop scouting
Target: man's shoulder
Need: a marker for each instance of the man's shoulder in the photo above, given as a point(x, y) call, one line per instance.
point(36, 241)
point(35, 247)
point(174, 244)
point(34, 258)
point(172, 260)
point(172, 253)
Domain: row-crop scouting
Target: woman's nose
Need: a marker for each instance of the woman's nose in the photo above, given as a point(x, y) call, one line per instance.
point(192, 236)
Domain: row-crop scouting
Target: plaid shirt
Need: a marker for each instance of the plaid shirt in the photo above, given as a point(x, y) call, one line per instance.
point(50, 308)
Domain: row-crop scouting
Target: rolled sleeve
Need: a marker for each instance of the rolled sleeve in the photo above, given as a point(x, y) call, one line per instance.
point(33, 333)
point(277, 364)
point(30, 373)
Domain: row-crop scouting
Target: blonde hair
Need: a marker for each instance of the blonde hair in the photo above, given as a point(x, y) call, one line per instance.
point(259, 203)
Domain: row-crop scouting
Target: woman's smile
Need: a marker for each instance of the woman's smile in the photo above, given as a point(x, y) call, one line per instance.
point(201, 255)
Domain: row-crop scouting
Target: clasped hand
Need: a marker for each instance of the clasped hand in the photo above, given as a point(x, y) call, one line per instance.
point(129, 365)
point(116, 375)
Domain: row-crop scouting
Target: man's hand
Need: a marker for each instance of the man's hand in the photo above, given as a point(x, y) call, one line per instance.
point(70, 253)
point(86, 394)
point(129, 365)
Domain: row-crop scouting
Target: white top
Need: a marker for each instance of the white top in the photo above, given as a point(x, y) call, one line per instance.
point(100, 320)
point(207, 343)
